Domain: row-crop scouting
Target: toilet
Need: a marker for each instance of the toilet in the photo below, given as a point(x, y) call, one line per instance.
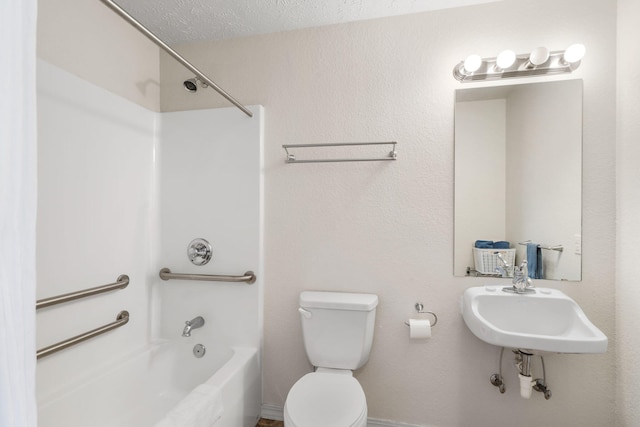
point(337, 329)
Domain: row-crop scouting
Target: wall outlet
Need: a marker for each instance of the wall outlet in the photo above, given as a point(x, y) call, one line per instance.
point(577, 243)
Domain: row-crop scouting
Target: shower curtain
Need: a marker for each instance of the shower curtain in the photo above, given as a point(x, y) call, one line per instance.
point(18, 195)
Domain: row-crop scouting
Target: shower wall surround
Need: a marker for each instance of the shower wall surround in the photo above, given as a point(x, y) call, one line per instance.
point(388, 228)
point(211, 187)
point(96, 220)
point(123, 190)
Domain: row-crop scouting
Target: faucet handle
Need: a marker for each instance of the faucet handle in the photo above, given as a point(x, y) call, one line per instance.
point(529, 282)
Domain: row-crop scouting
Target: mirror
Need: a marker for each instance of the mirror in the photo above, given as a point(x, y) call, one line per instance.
point(518, 178)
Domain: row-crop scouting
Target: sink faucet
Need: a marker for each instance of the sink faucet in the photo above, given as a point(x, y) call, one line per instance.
point(521, 280)
point(505, 270)
point(196, 323)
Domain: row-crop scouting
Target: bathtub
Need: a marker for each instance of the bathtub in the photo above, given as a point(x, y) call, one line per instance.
point(139, 390)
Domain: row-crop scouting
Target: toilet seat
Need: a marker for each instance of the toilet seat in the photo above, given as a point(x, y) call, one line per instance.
point(326, 398)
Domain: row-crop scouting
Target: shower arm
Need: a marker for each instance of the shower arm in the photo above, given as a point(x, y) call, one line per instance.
point(131, 20)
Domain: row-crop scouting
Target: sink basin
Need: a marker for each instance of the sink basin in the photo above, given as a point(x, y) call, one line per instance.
point(547, 320)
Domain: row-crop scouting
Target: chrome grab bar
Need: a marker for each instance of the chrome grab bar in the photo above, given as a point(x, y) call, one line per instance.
point(248, 277)
point(121, 282)
point(121, 320)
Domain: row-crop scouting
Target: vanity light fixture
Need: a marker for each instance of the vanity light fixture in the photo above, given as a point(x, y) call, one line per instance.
point(505, 59)
point(574, 53)
point(507, 64)
point(538, 56)
point(471, 64)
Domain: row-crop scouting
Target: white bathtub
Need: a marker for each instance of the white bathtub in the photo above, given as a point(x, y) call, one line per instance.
point(139, 391)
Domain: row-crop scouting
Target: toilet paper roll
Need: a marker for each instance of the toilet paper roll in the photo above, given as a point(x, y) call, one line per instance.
point(419, 329)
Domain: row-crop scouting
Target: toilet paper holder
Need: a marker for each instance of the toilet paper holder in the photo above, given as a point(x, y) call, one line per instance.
point(420, 309)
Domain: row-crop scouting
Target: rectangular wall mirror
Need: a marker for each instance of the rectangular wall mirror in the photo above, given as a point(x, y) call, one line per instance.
point(518, 178)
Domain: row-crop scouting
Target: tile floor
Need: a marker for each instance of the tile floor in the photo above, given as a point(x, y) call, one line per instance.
point(269, 423)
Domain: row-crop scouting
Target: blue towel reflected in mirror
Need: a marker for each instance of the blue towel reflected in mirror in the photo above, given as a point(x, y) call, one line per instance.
point(534, 260)
point(483, 244)
point(490, 244)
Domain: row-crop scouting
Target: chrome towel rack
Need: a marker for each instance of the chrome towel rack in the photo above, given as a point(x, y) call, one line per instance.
point(558, 248)
point(248, 277)
point(121, 282)
point(291, 158)
point(121, 319)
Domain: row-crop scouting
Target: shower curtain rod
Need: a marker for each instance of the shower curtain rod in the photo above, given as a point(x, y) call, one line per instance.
point(131, 20)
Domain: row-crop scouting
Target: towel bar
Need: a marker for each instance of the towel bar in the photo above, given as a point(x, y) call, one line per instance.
point(558, 248)
point(291, 158)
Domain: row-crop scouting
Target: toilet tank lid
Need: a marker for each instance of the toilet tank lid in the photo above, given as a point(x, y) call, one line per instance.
point(338, 300)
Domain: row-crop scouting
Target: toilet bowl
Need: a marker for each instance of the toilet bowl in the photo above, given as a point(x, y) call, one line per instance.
point(326, 398)
point(337, 328)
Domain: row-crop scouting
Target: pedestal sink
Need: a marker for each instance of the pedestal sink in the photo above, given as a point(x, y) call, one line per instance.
point(544, 321)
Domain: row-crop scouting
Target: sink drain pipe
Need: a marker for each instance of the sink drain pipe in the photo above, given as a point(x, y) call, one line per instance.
point(527, 384)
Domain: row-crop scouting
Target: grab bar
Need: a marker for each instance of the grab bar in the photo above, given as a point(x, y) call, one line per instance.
point(121, 320)
point(248, 277)
point(121, 282)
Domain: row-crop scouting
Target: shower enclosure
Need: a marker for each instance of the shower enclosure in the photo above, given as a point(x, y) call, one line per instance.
point(123, 190)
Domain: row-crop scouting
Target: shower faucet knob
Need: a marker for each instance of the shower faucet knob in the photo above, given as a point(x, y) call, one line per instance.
point(199, 251)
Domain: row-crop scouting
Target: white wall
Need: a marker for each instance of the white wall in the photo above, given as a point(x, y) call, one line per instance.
point(480, 177)
point(628, 211)
point(87, 39)
point(544, 166)
point(388, 228)
point(96, 221)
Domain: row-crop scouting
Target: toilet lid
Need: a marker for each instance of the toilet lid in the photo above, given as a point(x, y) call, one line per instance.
point(326, 400)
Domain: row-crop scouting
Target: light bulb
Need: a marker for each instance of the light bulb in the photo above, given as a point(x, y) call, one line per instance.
point(472, 63)
point(574, 53)
point(539, 56)
point(505, 59)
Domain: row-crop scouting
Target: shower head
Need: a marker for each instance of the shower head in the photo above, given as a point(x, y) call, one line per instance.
point(191, 85)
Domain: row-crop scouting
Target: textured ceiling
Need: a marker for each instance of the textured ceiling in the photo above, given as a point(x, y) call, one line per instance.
point(182, 21)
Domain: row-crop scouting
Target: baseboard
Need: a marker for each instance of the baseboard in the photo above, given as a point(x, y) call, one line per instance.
point(375, 422)
point(273, 412)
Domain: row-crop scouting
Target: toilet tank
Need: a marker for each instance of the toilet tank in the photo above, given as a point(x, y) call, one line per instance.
point(337, 328)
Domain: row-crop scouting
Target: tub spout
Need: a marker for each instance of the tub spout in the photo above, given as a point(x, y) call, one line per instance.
point(196, 323)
